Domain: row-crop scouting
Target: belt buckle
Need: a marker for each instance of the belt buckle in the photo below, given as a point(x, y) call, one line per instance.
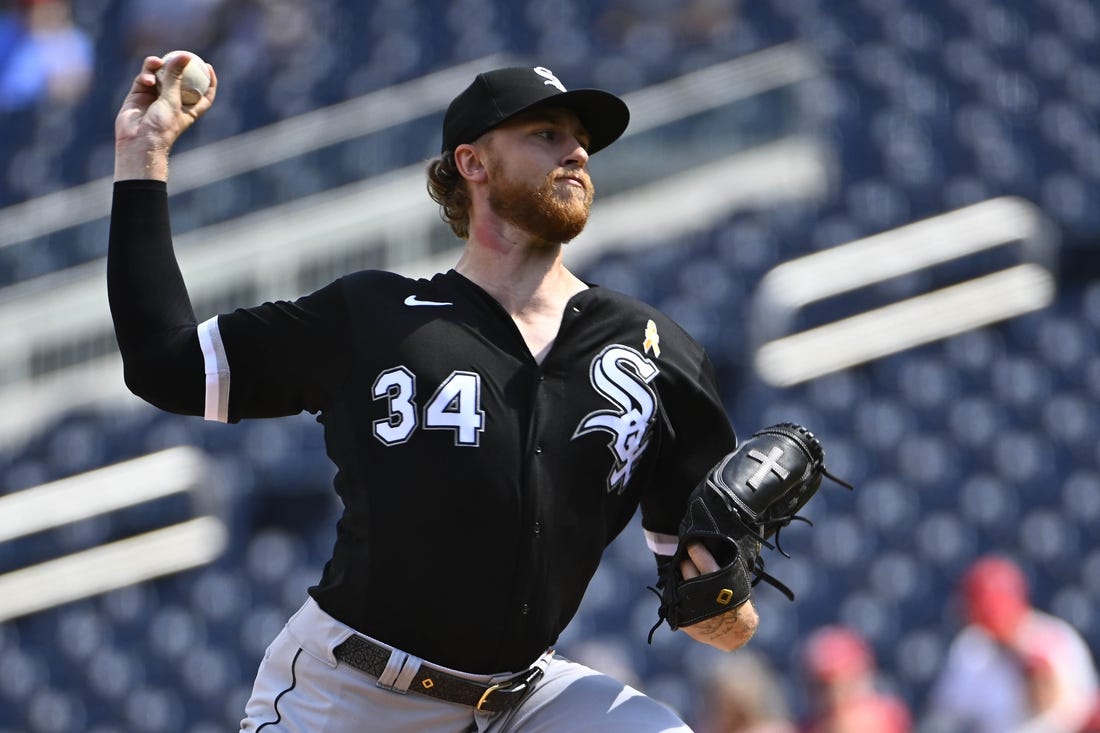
point(517, 684)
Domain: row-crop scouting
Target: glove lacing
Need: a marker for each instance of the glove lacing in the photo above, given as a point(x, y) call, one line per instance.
point(759, 574)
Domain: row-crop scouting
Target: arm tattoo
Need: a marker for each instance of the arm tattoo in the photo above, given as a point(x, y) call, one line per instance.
point(736, 626)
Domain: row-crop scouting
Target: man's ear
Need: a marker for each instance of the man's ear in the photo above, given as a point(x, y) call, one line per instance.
point(470, 163)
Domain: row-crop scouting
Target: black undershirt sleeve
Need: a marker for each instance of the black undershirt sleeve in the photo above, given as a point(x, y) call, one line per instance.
point(154, 322)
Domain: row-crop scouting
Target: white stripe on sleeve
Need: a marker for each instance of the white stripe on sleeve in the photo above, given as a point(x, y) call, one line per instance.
point(661, 544)
point(217, 371)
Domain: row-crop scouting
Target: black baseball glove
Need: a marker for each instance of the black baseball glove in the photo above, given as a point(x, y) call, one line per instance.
point(743, 501)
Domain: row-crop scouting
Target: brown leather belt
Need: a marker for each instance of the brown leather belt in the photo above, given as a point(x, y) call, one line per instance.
point(366, 656)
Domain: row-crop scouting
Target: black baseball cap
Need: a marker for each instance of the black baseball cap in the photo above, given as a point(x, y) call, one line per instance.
point(496, 96)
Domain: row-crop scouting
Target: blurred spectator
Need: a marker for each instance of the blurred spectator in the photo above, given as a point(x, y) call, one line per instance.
point(685, 22)
point(841, 676)
point(43, 56)
point(1012, 668)
point(155, 27)
point(662, 35)
point(741, 694)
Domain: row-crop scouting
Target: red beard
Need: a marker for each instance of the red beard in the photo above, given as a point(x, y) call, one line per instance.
point(554, 212)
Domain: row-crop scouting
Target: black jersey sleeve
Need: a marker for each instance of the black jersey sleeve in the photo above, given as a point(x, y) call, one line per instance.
point(698, 434)
point(280, 358)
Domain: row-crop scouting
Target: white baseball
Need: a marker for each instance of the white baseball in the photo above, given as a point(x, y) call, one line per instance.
point(195, 81)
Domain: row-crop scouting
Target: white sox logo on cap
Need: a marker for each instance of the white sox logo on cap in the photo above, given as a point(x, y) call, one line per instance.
point(550, 78)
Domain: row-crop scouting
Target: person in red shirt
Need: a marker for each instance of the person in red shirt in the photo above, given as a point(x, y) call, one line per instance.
point(1012, 668)
point(841, 677)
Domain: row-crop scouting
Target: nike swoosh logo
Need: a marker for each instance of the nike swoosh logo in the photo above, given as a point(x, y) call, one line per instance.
point(413, 300)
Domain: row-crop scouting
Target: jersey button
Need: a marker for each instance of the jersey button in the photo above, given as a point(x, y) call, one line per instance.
point(538, 450)
point(523, 609)
point(538, 528)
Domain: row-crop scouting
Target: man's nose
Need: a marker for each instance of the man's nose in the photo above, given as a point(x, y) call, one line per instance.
point(577, 155)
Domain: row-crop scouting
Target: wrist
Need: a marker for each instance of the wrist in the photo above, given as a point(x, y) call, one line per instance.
point(140, 163)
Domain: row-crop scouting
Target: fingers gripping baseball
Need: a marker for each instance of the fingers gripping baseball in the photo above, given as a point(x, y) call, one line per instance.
point(154, 115)
point(190, 82)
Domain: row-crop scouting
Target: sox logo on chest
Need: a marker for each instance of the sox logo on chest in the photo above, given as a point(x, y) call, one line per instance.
point(623, 376)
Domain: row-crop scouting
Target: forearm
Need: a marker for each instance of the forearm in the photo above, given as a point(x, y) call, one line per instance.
point(154, 321)
point(727, 631)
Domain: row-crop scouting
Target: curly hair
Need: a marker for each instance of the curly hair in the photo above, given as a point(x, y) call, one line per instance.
point(448, 189)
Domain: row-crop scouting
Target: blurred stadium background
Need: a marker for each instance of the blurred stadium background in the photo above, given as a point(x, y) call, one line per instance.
point(882, 218)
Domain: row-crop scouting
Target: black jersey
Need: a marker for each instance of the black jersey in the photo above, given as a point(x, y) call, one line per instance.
point(480, 487)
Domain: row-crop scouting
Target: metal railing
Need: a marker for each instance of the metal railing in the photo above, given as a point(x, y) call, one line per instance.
point(786, 356)
point(160, 551)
